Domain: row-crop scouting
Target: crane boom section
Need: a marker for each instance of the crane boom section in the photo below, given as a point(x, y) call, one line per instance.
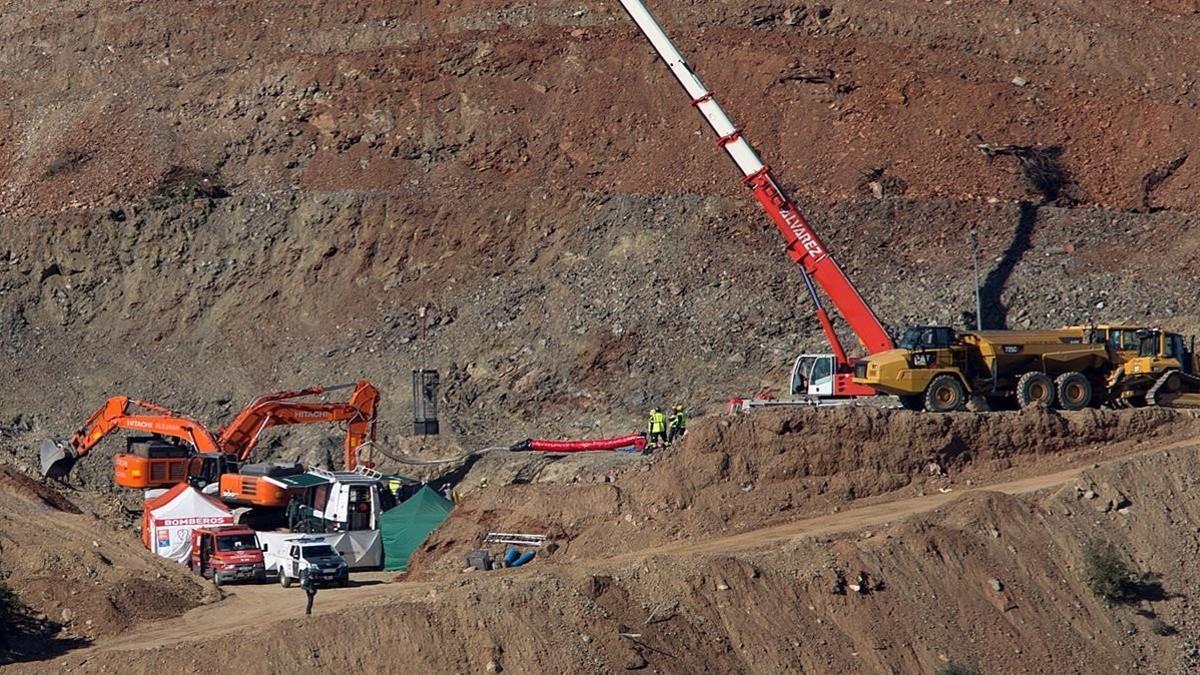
point(804, 247)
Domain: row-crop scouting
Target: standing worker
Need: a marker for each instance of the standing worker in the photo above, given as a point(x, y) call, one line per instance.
point(678, 424)
point(293, 514)
point(310, 589)
point(656, 428)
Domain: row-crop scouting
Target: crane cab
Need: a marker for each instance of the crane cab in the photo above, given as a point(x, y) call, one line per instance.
point(819, 377)
point(812, 375)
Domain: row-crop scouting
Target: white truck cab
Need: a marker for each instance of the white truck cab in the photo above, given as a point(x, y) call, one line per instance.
point(306, 555)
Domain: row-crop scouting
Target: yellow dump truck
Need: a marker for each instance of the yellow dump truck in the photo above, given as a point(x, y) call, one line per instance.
point(938, 369)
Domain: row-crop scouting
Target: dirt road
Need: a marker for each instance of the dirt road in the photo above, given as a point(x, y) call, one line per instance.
point(251, 605)
point(881, 513)
point(246, 607)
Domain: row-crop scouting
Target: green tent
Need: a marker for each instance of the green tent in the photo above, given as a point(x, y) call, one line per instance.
point(406, 526)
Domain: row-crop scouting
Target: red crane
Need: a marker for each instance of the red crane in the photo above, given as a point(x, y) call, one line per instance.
point(803, 245)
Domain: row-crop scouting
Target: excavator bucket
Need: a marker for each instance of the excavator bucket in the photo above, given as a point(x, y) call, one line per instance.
point(57, 458)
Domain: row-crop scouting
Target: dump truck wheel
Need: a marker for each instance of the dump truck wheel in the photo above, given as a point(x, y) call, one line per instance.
point(1074, 391)
point(945, 394)
point(912, 402)
point(1035, 389)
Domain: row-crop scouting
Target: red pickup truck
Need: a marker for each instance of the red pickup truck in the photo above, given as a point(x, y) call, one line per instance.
point(227, 553)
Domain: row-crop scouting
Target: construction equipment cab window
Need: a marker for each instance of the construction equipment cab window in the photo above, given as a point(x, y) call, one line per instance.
point(927, 337)
point(1174, 347)
point(1171, 347)
point(1124, 339)
point(822, 370)
point(360, 508)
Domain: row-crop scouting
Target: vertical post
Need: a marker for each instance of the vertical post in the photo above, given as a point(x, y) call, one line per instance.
point(975, 266)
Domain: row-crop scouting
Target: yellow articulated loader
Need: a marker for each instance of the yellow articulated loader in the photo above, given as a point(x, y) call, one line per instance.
point(938, 369)
point(1164, 372)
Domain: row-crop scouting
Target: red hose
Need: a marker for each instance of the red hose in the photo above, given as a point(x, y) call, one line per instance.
point(634, 442)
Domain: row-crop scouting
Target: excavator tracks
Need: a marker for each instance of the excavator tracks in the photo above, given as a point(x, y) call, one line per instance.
point(1175, 389)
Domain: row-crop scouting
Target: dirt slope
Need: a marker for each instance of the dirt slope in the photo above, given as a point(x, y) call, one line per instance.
point(76, 578)
point(740, 473)
point(374, 94)
point(989, 577)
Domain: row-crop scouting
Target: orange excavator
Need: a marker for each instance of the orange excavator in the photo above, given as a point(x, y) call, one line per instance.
point(122, 412)
point(182, 449)
point(247, 487)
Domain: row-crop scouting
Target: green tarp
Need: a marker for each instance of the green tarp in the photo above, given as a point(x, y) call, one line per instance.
point(405, 527)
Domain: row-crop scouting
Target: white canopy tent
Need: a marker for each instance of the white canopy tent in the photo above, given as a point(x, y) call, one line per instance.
point(170, 517)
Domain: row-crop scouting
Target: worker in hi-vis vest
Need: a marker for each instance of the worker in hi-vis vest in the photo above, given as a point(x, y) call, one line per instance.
point(677, 425)
point(656, 428)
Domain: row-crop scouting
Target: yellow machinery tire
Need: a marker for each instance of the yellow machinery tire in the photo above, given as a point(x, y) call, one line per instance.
point(945, 394)
point(1035, 390)
point(1073, 390)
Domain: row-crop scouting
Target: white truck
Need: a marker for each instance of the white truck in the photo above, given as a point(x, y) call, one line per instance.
point(340, 507)
point(312, 556)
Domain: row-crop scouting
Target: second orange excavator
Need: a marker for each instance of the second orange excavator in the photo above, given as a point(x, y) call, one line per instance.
point(182, 449)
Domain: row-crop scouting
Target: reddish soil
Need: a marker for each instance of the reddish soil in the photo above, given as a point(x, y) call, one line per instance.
point(528, 179)
point(986, 578)
point(741, 473)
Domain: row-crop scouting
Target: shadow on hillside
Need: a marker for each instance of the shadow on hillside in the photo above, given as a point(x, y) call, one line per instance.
point(995, 314)
point(27, 638)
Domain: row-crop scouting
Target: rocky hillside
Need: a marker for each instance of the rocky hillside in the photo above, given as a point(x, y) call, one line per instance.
point(201, 205)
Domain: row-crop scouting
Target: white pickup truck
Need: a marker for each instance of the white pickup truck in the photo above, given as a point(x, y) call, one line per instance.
point(292, 557)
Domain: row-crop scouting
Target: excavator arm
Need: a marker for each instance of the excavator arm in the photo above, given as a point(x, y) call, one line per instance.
point(59, 456)
point(241, 435)
point(803, 245)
